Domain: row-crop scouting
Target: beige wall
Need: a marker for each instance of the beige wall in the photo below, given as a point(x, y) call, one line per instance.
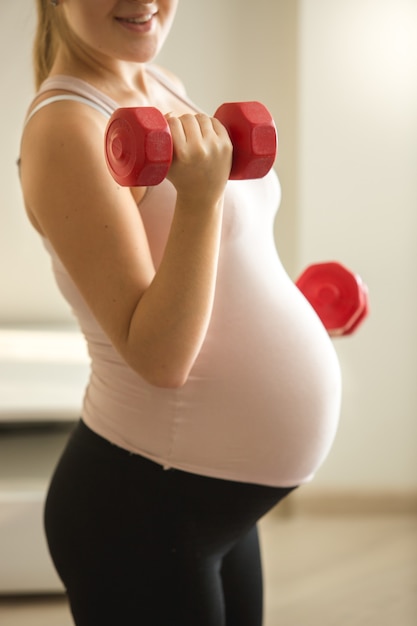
point(357, 166)
point(339, 78)
point(28, 293)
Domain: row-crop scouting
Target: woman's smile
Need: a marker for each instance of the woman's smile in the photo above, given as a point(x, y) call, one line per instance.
point(141, 24)
point(140, 21)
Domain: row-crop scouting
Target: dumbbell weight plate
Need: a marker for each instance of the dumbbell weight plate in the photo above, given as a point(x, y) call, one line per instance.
point(254, 136)
point(338, 296)
point(138, 152)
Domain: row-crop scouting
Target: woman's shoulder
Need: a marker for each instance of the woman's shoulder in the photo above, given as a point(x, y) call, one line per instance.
point(69, 88)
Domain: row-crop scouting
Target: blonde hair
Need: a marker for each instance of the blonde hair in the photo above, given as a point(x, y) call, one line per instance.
point(46, 40)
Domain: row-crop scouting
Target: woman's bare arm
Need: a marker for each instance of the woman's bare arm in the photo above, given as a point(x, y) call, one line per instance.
point(156, 320)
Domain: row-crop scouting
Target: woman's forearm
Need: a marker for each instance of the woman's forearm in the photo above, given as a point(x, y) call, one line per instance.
point(170, 322)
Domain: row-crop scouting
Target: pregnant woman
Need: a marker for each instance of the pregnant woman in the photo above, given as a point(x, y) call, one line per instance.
point(214, 388)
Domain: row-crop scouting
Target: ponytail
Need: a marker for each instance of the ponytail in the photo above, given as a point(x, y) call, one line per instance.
point(45, 43)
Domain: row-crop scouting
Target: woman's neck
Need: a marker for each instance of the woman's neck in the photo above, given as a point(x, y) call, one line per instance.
point(112, 76)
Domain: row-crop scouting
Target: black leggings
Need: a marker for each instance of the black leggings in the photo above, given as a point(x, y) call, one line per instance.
point(137, 545)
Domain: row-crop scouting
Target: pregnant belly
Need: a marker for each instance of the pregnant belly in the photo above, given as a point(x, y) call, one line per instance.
point(263, 401)
point(261, 404)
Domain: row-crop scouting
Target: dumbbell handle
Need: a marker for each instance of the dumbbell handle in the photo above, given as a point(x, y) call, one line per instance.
point(139, 149)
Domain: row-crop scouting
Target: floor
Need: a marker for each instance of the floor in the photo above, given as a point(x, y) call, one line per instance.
point(319, 571)
point(341, 571)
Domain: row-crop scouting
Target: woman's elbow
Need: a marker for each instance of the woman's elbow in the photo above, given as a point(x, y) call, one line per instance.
point(163, 377)
point(175, 380)
point(161, 370)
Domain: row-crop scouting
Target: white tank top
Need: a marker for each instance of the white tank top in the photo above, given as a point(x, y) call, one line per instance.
point(262, 401)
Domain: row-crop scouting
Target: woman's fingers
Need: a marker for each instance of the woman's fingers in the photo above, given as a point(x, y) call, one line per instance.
point(202, 153)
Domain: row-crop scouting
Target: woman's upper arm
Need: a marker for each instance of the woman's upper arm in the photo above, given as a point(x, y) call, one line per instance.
point(93, 224)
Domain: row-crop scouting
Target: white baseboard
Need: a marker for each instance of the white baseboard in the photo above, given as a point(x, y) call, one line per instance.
point(306, 501)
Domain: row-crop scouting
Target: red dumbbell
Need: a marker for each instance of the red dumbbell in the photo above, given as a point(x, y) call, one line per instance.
point(339, 297)
point(138, 143)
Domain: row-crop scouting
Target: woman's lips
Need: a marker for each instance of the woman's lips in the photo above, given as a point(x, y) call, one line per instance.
point(138, 23)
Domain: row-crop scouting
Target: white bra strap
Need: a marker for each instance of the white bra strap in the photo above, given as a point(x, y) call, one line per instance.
point(75, 98)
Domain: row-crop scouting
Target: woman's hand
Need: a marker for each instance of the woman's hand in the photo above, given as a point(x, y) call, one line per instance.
point(202, 158)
